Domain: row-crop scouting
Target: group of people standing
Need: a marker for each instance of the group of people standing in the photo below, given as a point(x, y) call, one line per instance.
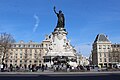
point(29, 68)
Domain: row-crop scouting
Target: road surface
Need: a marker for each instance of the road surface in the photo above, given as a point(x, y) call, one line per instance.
point(60, 76)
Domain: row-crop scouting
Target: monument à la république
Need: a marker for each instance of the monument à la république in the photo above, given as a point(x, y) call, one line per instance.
point(60, 51)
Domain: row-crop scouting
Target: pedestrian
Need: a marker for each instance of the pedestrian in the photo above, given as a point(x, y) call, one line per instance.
point(46, 66)
point(11, 67)
point(43, 67)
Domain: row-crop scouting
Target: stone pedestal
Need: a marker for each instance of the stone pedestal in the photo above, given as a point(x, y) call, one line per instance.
point(60, 46)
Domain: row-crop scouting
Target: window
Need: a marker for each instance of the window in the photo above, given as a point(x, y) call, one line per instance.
point(39, 54)
point(64, 40)
point(33, 45)
point(30, 61)
point(19, 45)
point(35, 51)
point(104, 54)
point(16, 61)
point(25, 61)
point(41, 45)
point(16, 54)
point(11, 49)
point(110, 60)
point(10, 53)
point(104, 47)
point(36, 45)
point(46, 45)
point(105, 60)
point(10, 45)
point(100, 54)
point(118, 45)
point(30, 50)
point(114, 45)
point(20, 61)
point(20, 56)
point(108, 46)
point(100, 59)
point(6, 61)
point(100, 47)
point(25, 50)
point(30, 54)
point(7, 54)
point(28, 45)
point(35, 61)
point(16, 49)
point(14, 45)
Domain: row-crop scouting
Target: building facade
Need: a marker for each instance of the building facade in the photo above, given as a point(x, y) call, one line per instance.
point(24, 54)
point(100, 51)
point(104, 53)
point(115, 54)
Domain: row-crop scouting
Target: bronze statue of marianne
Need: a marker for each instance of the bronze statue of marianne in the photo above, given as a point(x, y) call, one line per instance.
point(61, 19)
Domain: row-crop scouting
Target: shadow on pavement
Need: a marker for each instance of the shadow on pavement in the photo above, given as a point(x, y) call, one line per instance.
point(63, 77)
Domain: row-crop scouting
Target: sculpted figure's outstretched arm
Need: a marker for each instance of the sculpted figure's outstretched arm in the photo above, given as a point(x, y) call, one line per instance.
point(55, 10)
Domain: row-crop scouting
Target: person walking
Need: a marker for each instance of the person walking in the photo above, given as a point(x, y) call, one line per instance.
point(43, 67)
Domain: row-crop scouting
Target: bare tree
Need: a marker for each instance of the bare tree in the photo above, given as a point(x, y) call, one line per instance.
point(5, 43)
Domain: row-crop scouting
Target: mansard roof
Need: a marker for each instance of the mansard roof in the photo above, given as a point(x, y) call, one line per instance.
point(101, 38)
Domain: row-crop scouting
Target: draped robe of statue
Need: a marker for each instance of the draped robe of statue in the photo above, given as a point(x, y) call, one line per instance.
point(61, 19)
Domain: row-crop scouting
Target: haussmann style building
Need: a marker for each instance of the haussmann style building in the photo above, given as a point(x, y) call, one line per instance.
point(101, 48)
point(25, 54)
point(104, 53)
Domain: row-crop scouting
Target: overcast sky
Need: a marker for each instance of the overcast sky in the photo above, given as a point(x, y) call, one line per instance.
point(84, 19)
